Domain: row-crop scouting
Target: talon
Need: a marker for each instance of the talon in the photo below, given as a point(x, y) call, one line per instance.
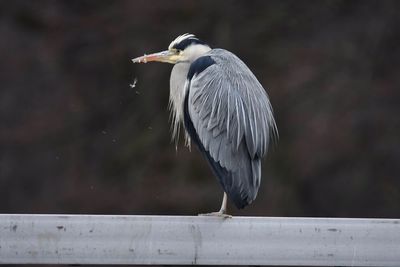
point(222, 212)
point(216, 214)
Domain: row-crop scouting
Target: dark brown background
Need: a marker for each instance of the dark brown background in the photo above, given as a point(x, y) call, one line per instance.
point(75, 138)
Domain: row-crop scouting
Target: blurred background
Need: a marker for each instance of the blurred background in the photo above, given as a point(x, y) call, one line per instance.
point(76, 138)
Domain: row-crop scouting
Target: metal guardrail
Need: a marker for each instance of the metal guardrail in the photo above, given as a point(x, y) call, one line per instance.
point(106, 239)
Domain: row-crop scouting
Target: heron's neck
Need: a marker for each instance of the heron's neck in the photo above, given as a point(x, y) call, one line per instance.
point(177, 86)
point(193, 52)
point(177, 95)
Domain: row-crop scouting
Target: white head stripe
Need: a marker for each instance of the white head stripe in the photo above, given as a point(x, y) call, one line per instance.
point(179, 39)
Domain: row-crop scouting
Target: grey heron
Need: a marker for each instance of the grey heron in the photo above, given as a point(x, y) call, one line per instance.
point(225, 112)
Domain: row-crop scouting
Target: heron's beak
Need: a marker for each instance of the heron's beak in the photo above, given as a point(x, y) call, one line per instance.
point(164, 56)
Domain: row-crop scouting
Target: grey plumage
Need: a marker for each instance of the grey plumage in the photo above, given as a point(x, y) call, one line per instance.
point(225, 110)
point(233, 118)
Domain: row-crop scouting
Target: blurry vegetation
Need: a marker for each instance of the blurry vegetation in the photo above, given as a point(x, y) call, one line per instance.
point(76, 138)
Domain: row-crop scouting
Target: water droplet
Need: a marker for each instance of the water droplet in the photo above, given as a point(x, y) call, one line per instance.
point(133, 85)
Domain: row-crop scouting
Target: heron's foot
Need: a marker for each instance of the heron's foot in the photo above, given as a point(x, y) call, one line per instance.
point(220, 214)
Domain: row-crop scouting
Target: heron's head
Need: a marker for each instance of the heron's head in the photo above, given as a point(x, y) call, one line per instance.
point(185, 48)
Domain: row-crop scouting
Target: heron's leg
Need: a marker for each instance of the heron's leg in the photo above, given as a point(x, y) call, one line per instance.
point(222, 211)
point(223, 205)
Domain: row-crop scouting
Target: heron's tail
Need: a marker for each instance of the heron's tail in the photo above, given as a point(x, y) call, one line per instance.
point(245, 184)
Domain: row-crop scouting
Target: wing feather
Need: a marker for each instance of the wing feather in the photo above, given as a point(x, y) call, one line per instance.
point(232, 122)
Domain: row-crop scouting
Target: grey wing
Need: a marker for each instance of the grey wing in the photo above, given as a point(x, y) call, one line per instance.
point(233, 120)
